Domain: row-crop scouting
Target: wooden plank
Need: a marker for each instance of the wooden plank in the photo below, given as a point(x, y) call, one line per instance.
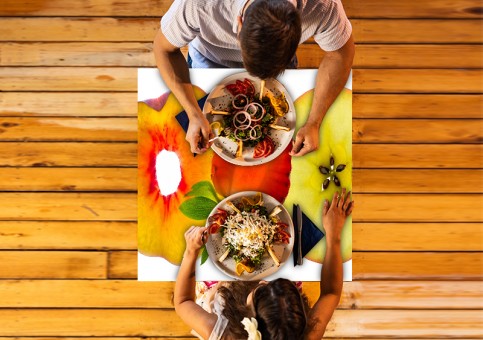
point(418, 208)
point(148, 322)
point(417, 156)
point(430, 236)
point(453, 131)
point(354, 8)
point(381, 31)
point(416, 266)
point(68, 154)
point(123, 179)
point(416, 106)
point(134, 294)
point(125, 130)
point(40, 154)
point(68, 179)
point(310, 54)
point(69, 129)
point(68, 207)
point(417, 81)
point(122, 207)
point(125, 79)
point(400, 56)
point(68, 235)
point(52, 265)
point(366, 265)
point(416, 181)
point(122, 265)
point(68, 79)
point(93, 104)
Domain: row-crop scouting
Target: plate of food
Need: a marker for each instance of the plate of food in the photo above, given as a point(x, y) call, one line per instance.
point(251, 235)
point(253, 120)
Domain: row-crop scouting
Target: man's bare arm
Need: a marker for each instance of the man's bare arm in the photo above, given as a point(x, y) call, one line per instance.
point(331, 78)
point(174, 71)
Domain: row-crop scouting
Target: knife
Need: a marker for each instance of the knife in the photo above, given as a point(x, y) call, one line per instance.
point(300, 259)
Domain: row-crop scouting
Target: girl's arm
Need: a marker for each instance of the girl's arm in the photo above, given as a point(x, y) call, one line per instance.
point(184, 290)
point(334, 217)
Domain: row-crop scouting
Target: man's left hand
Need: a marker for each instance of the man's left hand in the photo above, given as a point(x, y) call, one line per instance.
point(307, 140)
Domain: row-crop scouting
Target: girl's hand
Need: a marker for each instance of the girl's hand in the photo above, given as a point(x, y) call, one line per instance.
point(335, 214)
point(195, 238)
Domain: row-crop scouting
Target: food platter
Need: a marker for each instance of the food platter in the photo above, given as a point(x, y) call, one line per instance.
point(220, 99)
point(267, 266)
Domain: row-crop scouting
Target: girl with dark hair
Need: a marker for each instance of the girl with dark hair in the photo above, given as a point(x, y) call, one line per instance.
point(263, 310)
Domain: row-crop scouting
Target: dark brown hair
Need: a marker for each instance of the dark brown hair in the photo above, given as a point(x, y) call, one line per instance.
point(269, 37)
point(281, 310)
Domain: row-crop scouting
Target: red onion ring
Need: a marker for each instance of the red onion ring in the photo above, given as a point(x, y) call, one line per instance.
point(253, 132)
point(240, 95)
point(240, 122)
point(252, 110)
point(238, 138)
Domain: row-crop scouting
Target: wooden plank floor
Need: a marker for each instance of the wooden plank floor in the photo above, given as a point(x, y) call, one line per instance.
point(68, 168)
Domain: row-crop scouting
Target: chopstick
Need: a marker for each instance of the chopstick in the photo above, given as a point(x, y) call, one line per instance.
point(279, 127)
point(217, 112)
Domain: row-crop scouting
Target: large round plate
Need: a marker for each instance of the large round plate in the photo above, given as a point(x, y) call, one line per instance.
point(267, 267)
point(220, 98)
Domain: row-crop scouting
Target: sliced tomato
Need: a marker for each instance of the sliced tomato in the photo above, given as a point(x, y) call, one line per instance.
point(250, 87)
point(213, 228)
point(264, 148)
point(233, 89)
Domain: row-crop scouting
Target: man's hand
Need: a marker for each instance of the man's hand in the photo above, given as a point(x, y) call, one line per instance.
point(335, 214)
point(195, 238)
point(199, 133)
point(307, 140)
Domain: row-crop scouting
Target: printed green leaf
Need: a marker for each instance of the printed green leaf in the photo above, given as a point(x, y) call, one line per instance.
point(204, 255)
point(197, 208)
point(203, 189)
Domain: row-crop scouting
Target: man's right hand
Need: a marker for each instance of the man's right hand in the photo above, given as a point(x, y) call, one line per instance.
point(199, 133)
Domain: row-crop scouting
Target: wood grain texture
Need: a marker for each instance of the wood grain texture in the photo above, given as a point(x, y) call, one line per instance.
point(431, 106)
point(148, 322)
point(417, 156)
point(142, 30)
point(67, 104)
point(69, 129)
point(366, 265)
point(68, 154)
point(417, 266)
point(68, 206)
point(125, 130)
point(354, 8)
point(133, 294)
point(68, 235)
point(43, 154)
point(68, 179)
point(125, 79)
point(453, 131)
point(417, 237)
point(416, 181)
point(122, 207)
point(123, 179)
point(52, 265)
point(417, 81)
point(107, 104)
point(309, 54)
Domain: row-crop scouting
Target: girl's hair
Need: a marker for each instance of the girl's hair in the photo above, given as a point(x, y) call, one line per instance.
point(235, 295)
point(280, 309)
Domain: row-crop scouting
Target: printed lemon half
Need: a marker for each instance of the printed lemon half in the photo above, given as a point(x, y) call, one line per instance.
point(240, 268)
point(216, 127)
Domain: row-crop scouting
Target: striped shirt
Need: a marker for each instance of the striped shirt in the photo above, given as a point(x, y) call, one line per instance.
point(210, 27)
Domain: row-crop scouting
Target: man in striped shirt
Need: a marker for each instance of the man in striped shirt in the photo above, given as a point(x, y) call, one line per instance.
point(261, 36)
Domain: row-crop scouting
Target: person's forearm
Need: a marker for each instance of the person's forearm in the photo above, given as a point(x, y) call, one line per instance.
point(174, 70)
point(184, 288)
point(331, 78)
point(331, 280)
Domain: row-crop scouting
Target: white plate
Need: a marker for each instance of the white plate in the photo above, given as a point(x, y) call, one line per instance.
point(220, 98)
point(267, 267)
